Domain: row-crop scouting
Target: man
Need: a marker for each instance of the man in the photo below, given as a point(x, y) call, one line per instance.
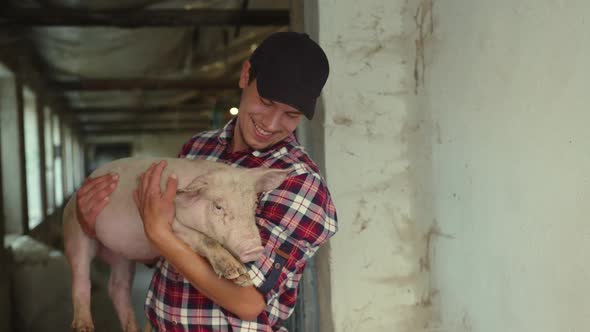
point(280, 84)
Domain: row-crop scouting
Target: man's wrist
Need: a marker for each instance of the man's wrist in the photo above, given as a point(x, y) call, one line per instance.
point(160, 236)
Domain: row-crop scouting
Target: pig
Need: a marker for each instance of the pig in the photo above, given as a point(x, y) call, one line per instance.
point(215, 216)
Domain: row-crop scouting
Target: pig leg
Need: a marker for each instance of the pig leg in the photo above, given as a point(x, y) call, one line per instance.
point(79, 250)
point(223, 262)
point(122, 272)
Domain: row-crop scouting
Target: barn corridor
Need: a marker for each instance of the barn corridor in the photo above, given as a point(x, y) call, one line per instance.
point(452, 135)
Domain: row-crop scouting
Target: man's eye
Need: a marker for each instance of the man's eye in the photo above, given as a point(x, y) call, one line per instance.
point(217, 206)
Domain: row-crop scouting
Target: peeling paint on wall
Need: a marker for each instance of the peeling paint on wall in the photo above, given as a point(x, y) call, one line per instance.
point(341, 119)
point(424, 21)
point(361, 220)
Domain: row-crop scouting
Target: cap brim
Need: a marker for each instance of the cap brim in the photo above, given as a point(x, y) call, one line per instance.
point(271, 91)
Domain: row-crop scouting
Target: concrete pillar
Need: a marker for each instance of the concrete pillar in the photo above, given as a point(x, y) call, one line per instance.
point(376, 269)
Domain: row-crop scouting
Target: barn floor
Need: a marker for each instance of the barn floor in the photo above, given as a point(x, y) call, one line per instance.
point(40, 276)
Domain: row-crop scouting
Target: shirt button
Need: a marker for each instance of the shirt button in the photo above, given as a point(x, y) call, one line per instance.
point(277, 266)
point(174, 322)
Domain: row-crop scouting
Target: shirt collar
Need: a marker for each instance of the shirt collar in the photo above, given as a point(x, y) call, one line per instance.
point(227, 134)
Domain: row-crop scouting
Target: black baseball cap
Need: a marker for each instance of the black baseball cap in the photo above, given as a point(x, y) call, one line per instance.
point(292, 69)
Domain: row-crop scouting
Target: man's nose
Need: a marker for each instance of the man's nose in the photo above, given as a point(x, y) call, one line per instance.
point(274, 119)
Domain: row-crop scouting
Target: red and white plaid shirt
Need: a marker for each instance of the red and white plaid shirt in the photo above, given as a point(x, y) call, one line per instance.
point(294, 220)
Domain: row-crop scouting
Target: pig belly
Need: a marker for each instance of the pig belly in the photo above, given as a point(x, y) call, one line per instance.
point(123, 234)
point(119, 228)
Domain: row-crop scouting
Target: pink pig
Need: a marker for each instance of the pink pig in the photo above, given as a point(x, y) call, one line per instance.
point(215, 208)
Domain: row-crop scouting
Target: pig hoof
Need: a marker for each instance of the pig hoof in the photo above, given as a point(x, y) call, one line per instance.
point(83, 328)
point(243, 280)
point(230, 273)
point(226, 269)
point(133, 328)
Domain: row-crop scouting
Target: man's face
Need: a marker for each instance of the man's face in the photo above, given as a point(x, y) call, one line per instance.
point(261, 122)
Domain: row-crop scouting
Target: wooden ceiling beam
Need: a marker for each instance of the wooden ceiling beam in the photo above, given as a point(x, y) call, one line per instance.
point(142, 84)
point(142, 121)
point(26, 17)
point(116, 127)
point(157, 110)
point(138, 130)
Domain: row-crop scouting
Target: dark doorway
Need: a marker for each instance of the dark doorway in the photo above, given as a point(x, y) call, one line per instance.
point(100, 154)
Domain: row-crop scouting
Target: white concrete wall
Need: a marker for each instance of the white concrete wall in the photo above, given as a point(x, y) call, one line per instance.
point(506, 94)
point(378, 262)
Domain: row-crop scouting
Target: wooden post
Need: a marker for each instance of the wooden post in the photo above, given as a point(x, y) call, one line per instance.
point(64, 168)
point(5, 316)
point(11, 169)
point(49, 135)
point(40, 106)
point(296, 16)
point(21, 156)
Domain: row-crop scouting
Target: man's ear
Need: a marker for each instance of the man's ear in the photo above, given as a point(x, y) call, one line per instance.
point(245, 74)
point(268, 179)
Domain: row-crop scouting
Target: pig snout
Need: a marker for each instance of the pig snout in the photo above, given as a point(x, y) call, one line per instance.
point(250, 252)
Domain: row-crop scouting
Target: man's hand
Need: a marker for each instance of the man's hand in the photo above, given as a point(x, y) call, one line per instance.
point(91, 198)
point(155, 207)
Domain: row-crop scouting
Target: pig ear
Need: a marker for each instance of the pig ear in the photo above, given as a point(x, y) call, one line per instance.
point(268, 179)
point(188, 194)
point(197, 184)
point(186, 198)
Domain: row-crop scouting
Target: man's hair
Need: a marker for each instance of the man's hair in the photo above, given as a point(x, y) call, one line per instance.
point(251, 75)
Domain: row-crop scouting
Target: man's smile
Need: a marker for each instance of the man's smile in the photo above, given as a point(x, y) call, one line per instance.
point(261, 132)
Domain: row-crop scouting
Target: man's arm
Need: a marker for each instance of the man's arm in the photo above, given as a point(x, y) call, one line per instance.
point(91, 198)
point(157, 212)
point(245, 302)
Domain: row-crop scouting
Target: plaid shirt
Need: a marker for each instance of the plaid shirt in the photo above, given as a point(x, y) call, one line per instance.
point(294, 220)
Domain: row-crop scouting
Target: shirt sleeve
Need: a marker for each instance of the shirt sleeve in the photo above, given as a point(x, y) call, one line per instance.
point(294, 219)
